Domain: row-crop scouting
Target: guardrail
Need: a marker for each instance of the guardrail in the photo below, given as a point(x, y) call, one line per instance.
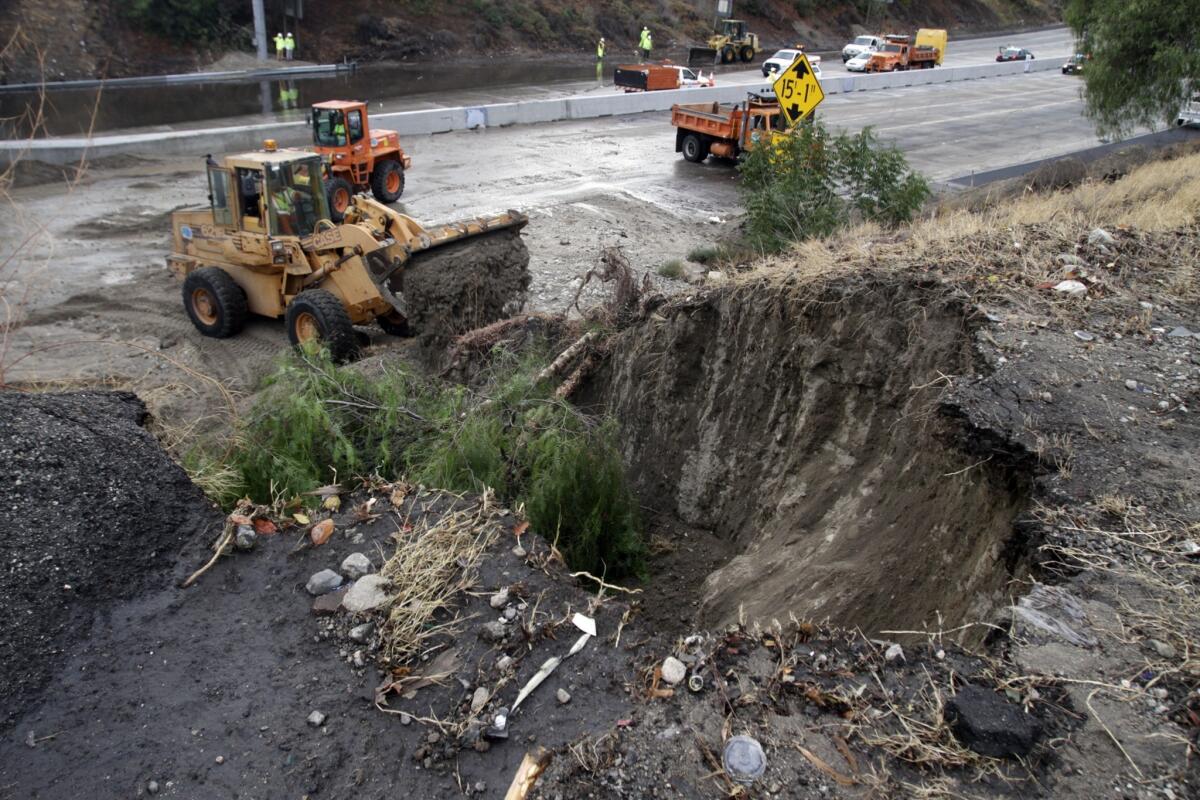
point(67, 150)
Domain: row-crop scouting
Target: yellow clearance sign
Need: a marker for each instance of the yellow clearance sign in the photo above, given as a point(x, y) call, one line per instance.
point(798, 90)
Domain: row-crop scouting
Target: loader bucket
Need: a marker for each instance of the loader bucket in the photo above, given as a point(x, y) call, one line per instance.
point(463, 276)
point(702, 56)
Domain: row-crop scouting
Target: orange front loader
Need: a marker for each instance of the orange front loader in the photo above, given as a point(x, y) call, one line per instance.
point(358, 157)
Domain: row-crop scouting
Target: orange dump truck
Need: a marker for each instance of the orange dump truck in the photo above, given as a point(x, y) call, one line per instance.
point(646, 77)
point(725, 131)
point(898, 53)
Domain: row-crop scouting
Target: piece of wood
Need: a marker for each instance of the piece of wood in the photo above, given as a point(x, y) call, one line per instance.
point(532, 766)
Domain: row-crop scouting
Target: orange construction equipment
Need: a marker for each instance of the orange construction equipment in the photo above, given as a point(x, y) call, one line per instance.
point(898, 53)
point(358, 157)
point(725, 131)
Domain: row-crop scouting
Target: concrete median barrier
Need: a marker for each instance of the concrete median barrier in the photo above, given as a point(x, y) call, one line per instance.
point(67, 150)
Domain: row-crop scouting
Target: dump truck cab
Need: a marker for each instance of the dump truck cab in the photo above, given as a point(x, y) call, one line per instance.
point(359, 157)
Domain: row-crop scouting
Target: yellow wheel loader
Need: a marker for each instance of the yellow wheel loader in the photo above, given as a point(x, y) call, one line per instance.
point(266, 245)
point(733, 42)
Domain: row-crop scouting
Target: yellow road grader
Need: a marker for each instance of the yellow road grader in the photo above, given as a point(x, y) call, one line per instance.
point(266, 245)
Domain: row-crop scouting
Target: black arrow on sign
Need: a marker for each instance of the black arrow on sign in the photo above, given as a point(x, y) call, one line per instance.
point(801, 69)
point(794, 111)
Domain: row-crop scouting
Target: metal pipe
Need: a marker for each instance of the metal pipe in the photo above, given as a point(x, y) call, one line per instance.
point(260, 30)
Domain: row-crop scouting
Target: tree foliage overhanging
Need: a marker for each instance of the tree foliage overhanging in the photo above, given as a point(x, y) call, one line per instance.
point(1145, 59)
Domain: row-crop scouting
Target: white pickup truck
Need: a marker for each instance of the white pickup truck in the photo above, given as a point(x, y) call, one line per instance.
point(1189, 115)
point(860, 45)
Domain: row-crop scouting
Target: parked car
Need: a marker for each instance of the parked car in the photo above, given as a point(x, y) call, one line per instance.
point(784, 58)
point(860, 61)
point(1013, 54)
point(689, 77)
point(1074, 64)
point(860, 45)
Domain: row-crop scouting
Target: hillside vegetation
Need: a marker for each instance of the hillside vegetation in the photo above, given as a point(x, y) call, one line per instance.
point(76, 38)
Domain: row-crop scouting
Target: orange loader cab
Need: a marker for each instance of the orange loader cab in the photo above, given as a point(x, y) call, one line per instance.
point(357, 157)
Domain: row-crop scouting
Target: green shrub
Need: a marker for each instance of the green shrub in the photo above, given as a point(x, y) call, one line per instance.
point(317, 422)
point(812, 182)
point(671, 269)
point(704, 255)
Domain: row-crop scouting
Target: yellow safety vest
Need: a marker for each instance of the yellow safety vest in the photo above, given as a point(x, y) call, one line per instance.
point(645, 43)
point(600, 50)
point(339, 132)
point(289, 42)
point(278, 43)
point(283, 203)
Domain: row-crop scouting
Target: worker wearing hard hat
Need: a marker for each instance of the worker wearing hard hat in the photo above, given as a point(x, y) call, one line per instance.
point(279, 47)
point(289, 44)
point(600, 49)
point(645, 43)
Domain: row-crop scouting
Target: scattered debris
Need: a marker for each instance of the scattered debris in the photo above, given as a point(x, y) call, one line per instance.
point(1099, 236)
point(320, 533)
point(479, 699)
point(744, 759)
point(1073, 288)
point(989, 724)
point(894, 653)
point(323, 582)
point(245, 538)
point(673, 670)
point(563, 696)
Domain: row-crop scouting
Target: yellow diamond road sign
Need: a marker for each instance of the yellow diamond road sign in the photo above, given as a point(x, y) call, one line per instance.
point(798, 90)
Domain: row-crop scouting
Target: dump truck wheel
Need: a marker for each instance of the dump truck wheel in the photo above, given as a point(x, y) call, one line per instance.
point(747, 53)
point(694, 149)
point(339, 192)
point(214, 302)
point(317, 315)
point(728, 55)
point(394, 324)
point(387, 181)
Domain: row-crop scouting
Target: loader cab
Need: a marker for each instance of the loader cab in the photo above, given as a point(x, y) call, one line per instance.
point(339, 128)
point(269, 193)
point(733, 28)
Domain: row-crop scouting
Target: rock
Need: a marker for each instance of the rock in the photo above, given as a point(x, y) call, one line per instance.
point(673, 670)
point(245, 538)
point(1099, 236)
point(1069, 260)
point(152, 787)
point(480, 787)
point(989, 724)
point(500, 598)
point(510, 614)
point(479, 700)
point(504, 663)
point(894, 653)
point(1180, 332)
point(219, 759)
point(1084, 336)
point(563, 696)
point(1131, 385)
point(519, 551)
point(1073, 288)
point(316, 719)
point(367, 594)
point(493, 631)
point(405, 718)
point(1164, 649)
point(355, 565)
point(361, 633)
point(358, 660)
point(329, 603)
point(715, 277)
point(323, 582)
point(1190, 548)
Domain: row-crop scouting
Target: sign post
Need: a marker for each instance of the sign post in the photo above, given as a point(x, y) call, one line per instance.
point(798, 90)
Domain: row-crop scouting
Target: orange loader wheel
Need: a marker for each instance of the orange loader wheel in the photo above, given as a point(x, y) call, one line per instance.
point(340, 193)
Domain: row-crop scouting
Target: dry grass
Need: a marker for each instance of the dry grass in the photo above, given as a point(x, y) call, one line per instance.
point(1006, 251)
point(432, 564)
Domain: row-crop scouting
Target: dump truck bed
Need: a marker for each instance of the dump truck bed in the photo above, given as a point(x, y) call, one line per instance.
point(646, 77)
point(712, 119)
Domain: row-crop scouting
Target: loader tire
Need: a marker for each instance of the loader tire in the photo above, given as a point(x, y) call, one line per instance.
point(394, 324)
point(387, 181)
point(318, 315)
point(339, 192)
point(694, 148)
point(728, 55)
point(747, 53)
point(214, 302)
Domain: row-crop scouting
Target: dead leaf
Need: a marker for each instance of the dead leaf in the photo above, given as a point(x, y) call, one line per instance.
point(520, 528)
point(321, 532)
point(828, 770)
point(239, 519)
point(325, 491)
point(301, 518)
point(398, 495)
point(264, 526)
point(332, 503)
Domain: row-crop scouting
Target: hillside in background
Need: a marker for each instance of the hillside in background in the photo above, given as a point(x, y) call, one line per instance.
point(61, 39)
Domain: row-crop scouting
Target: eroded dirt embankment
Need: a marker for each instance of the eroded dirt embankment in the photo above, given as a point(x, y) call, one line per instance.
point(808, 433)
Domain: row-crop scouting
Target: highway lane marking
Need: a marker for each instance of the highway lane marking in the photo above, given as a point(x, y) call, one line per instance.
point(979, 115)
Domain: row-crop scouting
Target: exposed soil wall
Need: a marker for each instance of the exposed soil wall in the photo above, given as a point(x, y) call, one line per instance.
point(809, 435)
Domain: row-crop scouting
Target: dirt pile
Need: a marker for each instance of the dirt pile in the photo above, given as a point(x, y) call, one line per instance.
point(804, 429)
point(94, 512)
